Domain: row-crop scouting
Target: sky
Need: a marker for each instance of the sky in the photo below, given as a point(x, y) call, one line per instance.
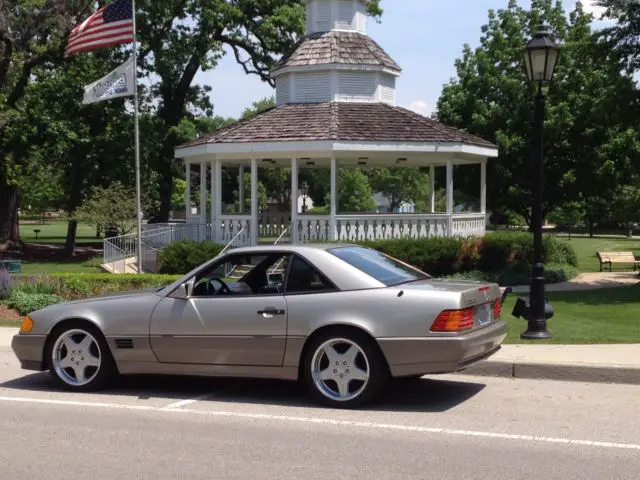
point(424, 36)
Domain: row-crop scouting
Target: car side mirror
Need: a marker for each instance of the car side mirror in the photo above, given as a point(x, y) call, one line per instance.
point(182, 292)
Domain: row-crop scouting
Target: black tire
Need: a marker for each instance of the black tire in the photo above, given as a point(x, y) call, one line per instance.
point(379, 375)
point(107, 370)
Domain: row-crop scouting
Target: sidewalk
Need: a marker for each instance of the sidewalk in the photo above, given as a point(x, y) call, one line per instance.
point(580, 363)
point(590, 281)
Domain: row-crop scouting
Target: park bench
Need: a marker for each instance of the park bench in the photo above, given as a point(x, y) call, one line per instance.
point(609, 258)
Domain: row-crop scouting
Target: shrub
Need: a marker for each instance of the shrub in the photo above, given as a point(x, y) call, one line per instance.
point(35, 285)
point(500, 250)
point(6, 285)
point(72, 286)
point(25, 303)
point(182, 257)
point(436, 256)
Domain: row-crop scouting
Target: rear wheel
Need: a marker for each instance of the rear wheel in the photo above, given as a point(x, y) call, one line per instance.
point(79, 358)
point(344, 370)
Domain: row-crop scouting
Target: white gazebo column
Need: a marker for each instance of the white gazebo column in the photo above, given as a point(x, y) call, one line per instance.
point(255, 214)
point(450, 197)
point(432, 177)
point(241, 190)
point(295, 235)
point(333, 226)
point(216, 201)
point(483, 187)
point(203, 193)
point(187, 192)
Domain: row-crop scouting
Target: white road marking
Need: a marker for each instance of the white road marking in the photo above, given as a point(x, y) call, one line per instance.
point(189, 401)
point(329, 421)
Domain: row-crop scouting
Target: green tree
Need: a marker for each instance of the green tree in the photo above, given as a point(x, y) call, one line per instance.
point(624, 35)
point(590, 103)
point(112, 209)
point(400, 185)
point(258, 107)
point(32, 34)
point(355, 194)
point(626, 207)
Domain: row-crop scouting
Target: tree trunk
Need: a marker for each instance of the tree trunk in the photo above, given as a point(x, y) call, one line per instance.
point(70, 243)
point(9, 229)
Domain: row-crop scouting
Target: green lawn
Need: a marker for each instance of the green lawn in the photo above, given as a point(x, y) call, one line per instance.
point(87, 266)
point(599, 316)
point(55, 232)
point(586, 249)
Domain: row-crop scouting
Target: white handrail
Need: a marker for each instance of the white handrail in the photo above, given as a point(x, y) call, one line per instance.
point(224, 250)
point(281, 236)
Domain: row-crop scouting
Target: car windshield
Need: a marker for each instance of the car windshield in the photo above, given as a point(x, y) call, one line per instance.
point(383, 268)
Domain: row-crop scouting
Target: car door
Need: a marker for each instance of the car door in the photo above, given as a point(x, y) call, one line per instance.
point(247, 326)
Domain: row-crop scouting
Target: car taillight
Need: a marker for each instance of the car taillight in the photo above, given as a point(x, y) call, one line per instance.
point(454, 321)
point(497, 310)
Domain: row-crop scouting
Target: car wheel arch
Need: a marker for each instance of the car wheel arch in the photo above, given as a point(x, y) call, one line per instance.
point(61, 325)
point(339, 329)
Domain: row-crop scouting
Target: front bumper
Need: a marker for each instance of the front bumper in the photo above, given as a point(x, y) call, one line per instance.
point(431, 355)
point(30, 351)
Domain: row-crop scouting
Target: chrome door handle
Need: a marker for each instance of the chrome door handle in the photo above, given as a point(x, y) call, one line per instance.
point(271, 311)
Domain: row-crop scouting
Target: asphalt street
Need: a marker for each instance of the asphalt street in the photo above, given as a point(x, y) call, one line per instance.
point(448, 427)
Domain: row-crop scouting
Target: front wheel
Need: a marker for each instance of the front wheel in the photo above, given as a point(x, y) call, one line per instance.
point(79, 358)
point(344, 370)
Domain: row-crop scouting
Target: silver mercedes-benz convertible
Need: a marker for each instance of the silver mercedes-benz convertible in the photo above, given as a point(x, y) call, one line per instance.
point(344, 319)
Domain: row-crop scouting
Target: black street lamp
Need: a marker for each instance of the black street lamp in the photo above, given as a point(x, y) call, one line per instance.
point(540, 59)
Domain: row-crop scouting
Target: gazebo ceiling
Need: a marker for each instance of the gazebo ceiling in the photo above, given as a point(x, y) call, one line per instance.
point(366, 127)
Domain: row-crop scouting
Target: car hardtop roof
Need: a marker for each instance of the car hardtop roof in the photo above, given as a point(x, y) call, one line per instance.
point(290, 248)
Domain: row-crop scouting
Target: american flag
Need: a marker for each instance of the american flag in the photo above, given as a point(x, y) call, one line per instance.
point(110, 25)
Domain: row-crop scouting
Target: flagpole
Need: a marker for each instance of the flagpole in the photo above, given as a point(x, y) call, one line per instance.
point(137, 137)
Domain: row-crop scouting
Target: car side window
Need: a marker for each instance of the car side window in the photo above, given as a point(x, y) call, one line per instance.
point(243, 275)
point(304, 278)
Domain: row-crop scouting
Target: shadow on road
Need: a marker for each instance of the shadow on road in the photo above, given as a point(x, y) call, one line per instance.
point(419, 395)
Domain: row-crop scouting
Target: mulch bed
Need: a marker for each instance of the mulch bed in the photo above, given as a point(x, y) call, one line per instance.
point(8, 315)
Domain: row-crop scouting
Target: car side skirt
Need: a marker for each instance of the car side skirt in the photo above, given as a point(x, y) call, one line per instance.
point(239, 371)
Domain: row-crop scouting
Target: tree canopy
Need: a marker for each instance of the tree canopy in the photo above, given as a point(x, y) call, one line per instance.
point(592, 110)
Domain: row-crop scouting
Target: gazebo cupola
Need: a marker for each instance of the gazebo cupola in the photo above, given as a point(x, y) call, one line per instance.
point(336, 60)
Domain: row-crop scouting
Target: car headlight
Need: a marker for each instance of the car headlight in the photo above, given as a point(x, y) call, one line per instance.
point(27, 325)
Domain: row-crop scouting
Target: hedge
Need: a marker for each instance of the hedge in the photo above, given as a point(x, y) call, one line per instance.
point(182, 257)
point(73, 286)
point(502, 254)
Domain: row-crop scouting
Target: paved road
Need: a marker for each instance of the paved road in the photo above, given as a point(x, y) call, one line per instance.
point(451, 427)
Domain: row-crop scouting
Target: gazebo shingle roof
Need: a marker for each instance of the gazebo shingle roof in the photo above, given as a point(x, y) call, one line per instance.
point(336, 121)
point(337, 48)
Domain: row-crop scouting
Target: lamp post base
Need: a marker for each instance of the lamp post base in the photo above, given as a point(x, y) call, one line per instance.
point(536, 334)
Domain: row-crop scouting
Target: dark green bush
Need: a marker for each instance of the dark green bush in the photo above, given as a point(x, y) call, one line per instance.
point(499, 250)
point(436, 256)
point(25, 303)
point(182, 257)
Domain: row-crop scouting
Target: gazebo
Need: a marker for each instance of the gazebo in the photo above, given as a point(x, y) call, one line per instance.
point(336, 108)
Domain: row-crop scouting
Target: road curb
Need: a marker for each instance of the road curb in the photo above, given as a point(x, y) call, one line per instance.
point(585, 373)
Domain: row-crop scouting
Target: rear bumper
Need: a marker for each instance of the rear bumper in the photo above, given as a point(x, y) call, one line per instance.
point(421, 356)
point(30, 351)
